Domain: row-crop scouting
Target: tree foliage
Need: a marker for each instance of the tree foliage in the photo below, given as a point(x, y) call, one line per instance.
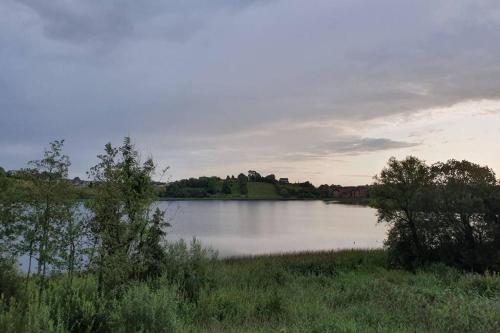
point(121, 224)
point(445, 212)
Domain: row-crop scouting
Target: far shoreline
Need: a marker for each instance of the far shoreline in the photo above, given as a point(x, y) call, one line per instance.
point(328, 201)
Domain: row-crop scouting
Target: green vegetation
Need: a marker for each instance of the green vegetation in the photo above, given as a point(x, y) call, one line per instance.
point(108, 268)
point(262, 191)
point(256, 187)
point(346, 291)
point(447, 212)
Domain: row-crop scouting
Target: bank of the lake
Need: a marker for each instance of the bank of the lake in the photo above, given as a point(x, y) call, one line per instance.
point(345, 291)
point(326, 291)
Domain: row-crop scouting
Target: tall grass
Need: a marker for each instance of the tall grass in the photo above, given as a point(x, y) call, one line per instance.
point(344, 291)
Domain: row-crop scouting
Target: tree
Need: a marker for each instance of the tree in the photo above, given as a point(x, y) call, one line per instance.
point(270, 179)
point(463, 190)
point(242, 182)
point(449, 212)
point(226, 186)
point(121, 221)
point(400, 198)
point(152, 250)
point(254, 176)
point(48, 232)
point(325, 191)
point(10, 214)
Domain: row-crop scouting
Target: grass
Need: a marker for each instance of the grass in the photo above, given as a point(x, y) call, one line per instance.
point(348, 291)
point(256, 191)
point(262, 191)
point(330, 291)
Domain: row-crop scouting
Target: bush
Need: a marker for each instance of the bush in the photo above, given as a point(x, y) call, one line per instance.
point(10, 280)
point(144, 310)
point(77, 305)
point(33, 317)
point(272, 308)
point(190, 268)
point(487, 285)
point(221, 305)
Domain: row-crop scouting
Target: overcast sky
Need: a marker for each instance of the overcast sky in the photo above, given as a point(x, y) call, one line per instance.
point(324, 91)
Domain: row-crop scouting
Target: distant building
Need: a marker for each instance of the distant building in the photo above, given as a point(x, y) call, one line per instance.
point(283, 181)
point(351, 192)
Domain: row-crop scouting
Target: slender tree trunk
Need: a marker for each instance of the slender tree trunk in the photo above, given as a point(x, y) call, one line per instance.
point(468, 232)
point(414, 233)
point(29, 266)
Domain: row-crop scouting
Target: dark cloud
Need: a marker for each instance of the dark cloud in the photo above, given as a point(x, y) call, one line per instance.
point(174, 74)
point(111, 21)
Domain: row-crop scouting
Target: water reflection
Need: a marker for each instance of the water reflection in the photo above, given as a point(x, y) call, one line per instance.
point(256, 227)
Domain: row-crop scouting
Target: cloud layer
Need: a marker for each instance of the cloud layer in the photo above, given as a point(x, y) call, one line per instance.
point(270, 83)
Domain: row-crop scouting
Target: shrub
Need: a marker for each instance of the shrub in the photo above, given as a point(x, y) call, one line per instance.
point(221, 305)
point(487, 285)
point(272, 308)
point(190, 268)
point(10, 280)
point(77, 305)
point(33, 317)
point(144, 310)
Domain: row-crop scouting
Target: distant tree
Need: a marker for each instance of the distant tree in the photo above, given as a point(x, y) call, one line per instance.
point(242, 178)
point(212, 185)
point(254, 176)
point(242, 182)
point(226, 186)
point(325, 191)
point(270, 179)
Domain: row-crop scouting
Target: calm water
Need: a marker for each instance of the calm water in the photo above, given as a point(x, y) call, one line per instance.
point(259, 227)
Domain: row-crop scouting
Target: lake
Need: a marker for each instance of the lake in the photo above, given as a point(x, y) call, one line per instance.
point(261, 227)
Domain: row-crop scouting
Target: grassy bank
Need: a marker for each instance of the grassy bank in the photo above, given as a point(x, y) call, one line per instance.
point(345, 291)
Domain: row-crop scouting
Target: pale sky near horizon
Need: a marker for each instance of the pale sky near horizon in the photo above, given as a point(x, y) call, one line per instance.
point(324, 90)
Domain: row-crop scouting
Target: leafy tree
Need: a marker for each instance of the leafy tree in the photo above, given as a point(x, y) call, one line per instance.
point(120, 223)
point(448, 212)
point(254, 176)
point(400, 196)
point(47, 229)
point(325, 191)
point(212, 185)
point(226, 186)
point(242, 182)
point(10, 210)
point(462, 192)
point(270, 179)
point(152, 250)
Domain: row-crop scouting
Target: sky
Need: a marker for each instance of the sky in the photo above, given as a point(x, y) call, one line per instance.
point(325, 91)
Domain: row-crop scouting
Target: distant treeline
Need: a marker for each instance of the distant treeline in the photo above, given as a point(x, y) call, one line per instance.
point(254, 185)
